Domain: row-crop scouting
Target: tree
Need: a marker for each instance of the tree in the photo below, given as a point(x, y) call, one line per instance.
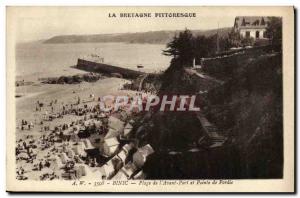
point(234, 39)
point(274, 30)
point(202, 47)
point(181, 47)
point(185, 47)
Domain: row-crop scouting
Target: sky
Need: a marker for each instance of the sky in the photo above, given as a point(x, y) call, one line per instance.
point(36, 23)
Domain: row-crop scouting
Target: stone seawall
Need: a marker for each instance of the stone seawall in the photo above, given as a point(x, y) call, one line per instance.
point(107, 69)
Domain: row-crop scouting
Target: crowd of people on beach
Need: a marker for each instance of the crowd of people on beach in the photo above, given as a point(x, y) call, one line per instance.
point(51, 153)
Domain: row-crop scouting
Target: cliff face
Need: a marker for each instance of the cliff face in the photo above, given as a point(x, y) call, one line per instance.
point(247, 108)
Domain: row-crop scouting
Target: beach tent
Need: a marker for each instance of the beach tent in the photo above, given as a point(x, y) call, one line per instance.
point(46, 170)
point(112, 133)
point(110, 146)
point(98, 124)
point(97, 174)
point(140, 175)
point(140, 157)
point(81, 170)
point(124, 153)
point(56, 163)
point(115, 126)
point(123, 156)
point(23, 155)
point(117, 162)
point(64, 158)
point(87, 144)
point(127, 148)
point(127, 130)
point(120, 176)
point(129, 169)
point(71, 153)
point(79, 149)
point(108, 170)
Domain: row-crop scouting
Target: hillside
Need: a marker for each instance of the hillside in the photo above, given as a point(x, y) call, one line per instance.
point(153, 37)
point(246, 109)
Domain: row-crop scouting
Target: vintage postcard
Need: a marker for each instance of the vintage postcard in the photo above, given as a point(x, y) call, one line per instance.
point(150, 99)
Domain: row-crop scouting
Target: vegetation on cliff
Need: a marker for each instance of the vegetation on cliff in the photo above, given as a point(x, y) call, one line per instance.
point(246, 108)
point(153, 37)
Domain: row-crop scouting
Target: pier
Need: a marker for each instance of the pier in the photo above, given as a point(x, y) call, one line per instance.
point(92, 66)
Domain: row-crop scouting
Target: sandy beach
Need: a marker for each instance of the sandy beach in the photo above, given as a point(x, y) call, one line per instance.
point(64, 95)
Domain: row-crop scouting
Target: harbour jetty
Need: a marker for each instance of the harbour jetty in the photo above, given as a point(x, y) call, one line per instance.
point(92, 66)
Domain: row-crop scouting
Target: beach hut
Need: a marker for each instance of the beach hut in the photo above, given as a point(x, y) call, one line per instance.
point(23, 156)
point(112, 133)
point(123, 156)
point(127, 148)
point(87, 144)
point(80, 170)
point(110, 146)
point(140, 175)
point(117, 162)
point(79, 149)
point(129, 169)
point(64, 158)
point(108, 170)
point(115, 126)
point(127, 130)
point(124, 153)
point(97, 174)
point(97, 124)
point(70, 153)
point(120, 176)
point(140, 157)
point(56, 163)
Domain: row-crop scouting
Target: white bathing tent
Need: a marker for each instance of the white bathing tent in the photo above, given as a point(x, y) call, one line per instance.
point(110, 146)
point(127, 130)
point(140, 157)
point(129, 169)
point(108, 170)
point(64, 158)
point(87, 144)
point(120, 176)
point(124, 153)
point(115, 126)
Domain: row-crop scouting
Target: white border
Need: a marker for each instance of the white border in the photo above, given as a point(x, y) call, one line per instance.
point(4, 3)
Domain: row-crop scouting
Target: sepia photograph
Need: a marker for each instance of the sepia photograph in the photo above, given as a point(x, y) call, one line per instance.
point(163, 99)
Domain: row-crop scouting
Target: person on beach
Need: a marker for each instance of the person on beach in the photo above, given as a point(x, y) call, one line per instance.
point(40, 166)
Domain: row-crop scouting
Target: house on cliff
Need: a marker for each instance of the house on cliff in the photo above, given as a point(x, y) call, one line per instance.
point(251, 26)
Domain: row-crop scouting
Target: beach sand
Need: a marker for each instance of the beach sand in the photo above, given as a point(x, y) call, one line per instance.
point(65, 94)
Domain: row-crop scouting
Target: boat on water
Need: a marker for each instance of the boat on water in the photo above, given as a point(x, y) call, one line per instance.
point(140, 66)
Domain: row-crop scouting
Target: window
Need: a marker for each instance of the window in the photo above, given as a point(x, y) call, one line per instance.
point(257, 34)
point(247, 34)
point(265, 34)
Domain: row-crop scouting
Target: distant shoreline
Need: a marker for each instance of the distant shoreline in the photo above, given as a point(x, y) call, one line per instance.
point(153, 37)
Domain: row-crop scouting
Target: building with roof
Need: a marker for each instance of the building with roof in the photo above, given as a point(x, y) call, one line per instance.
point(251, 26)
